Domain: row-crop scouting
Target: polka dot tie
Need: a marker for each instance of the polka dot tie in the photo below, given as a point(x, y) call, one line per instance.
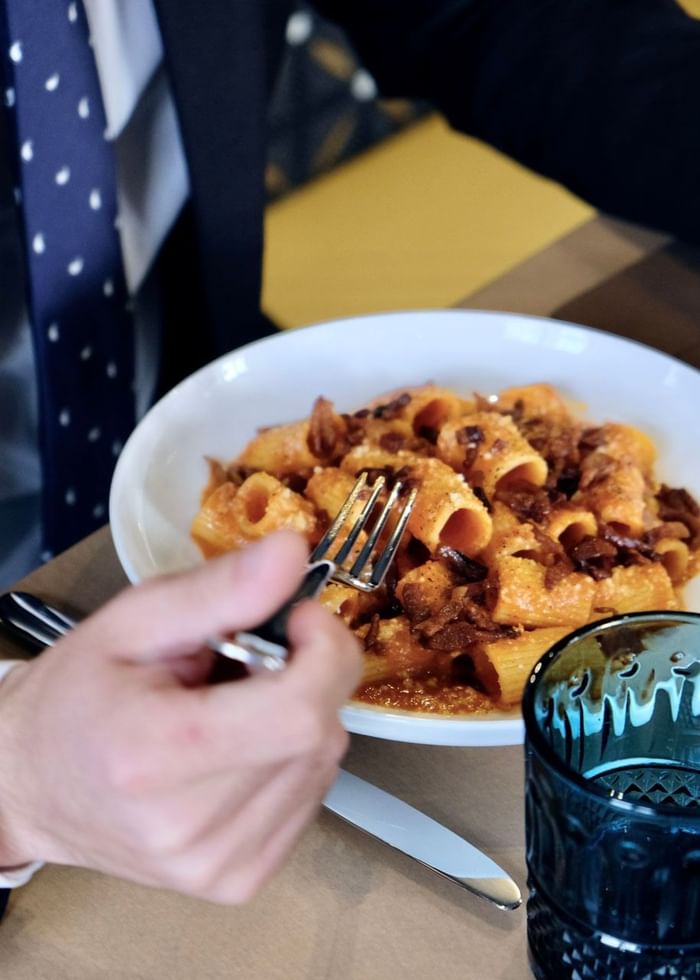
point(77, 298)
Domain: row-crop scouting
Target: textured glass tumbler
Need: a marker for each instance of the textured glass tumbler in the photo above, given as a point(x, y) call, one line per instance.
point(612, 793)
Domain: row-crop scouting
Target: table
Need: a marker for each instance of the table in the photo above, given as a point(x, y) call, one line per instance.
point(346, 907)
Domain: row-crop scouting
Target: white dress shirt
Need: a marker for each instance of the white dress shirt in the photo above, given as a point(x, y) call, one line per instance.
point(152, 187)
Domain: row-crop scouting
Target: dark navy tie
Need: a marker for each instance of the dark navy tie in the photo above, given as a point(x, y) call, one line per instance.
point(77, 297)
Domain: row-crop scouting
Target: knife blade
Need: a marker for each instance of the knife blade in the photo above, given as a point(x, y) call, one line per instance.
point(414, 833)
point(354, 800)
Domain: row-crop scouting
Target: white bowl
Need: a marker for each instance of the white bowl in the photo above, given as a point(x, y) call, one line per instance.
point(162, 470)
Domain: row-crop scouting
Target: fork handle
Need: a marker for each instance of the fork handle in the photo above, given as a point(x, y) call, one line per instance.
point(267, 646)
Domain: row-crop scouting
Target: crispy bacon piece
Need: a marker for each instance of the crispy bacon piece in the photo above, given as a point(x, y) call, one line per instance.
point(464, 567)
point(592, 439)
point(552, 555)
point(460, 635)
point(415, 603)
point(449, 613)
point(454, 636)
point(372, 632)
point(461, 622)
point(481, 494)
point(392, 441)
point(475, 613)
point(559, 445)
point(392, 409)
point(626, 542)
point(471, 437)
point(604, 467)
point(527, 502)
point(595, 556)
point(326, 430)
point(676, 504)
point(355, 427)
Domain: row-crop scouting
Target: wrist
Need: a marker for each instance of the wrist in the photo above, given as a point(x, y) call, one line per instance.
point(16, 863)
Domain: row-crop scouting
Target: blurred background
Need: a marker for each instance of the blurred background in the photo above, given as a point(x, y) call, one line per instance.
point(376, 205)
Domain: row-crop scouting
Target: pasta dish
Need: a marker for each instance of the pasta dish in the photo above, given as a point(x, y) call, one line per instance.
point(529, 522)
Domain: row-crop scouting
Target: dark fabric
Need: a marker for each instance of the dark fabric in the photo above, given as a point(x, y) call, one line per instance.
point(77, 299)
point(600, 95)
point(186, 343)
point(4, 897)
point(219, 57)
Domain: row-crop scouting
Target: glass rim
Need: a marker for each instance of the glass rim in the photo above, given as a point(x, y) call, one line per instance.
point(534, 737)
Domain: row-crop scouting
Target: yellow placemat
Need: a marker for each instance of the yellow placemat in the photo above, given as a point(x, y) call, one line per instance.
point(420, 220)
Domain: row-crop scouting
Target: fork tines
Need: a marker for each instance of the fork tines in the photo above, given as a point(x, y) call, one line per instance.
point(367, 570)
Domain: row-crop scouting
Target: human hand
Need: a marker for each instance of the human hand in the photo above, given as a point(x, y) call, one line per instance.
point(115, 754)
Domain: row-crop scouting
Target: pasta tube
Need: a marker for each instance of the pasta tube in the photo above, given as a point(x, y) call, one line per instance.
point(634, 589)
point(503, 666)
point(231, 517)
point(535, 401)
point(491, 450)
point(447, 511)
point(280, 451)
point(523, 599)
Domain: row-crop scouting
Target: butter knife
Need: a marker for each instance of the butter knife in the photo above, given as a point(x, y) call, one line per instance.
point(357, 802)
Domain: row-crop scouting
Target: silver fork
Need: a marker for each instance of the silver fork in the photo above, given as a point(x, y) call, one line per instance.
point(265, 648)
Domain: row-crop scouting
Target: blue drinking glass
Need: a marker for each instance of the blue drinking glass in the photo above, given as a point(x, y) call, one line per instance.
point(612, 794)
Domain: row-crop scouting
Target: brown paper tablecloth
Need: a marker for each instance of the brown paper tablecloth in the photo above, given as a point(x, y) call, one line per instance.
point(346, 907)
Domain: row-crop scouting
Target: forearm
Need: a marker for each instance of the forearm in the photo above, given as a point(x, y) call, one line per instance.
point(598, 95)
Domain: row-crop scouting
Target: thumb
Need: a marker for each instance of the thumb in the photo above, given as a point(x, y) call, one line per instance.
point(173, 616)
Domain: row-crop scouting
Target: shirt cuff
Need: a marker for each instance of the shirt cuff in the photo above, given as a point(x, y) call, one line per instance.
point(14, 877)
point(19, 876)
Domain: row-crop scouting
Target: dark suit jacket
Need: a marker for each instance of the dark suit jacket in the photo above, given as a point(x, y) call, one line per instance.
point(600, 95)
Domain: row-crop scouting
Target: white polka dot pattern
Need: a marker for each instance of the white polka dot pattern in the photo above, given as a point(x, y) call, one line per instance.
point(77, 298)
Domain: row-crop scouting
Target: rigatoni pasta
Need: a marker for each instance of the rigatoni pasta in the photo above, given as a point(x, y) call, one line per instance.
point(529, 522)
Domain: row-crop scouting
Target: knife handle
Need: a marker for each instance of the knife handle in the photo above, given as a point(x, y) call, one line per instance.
point(33, 621)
